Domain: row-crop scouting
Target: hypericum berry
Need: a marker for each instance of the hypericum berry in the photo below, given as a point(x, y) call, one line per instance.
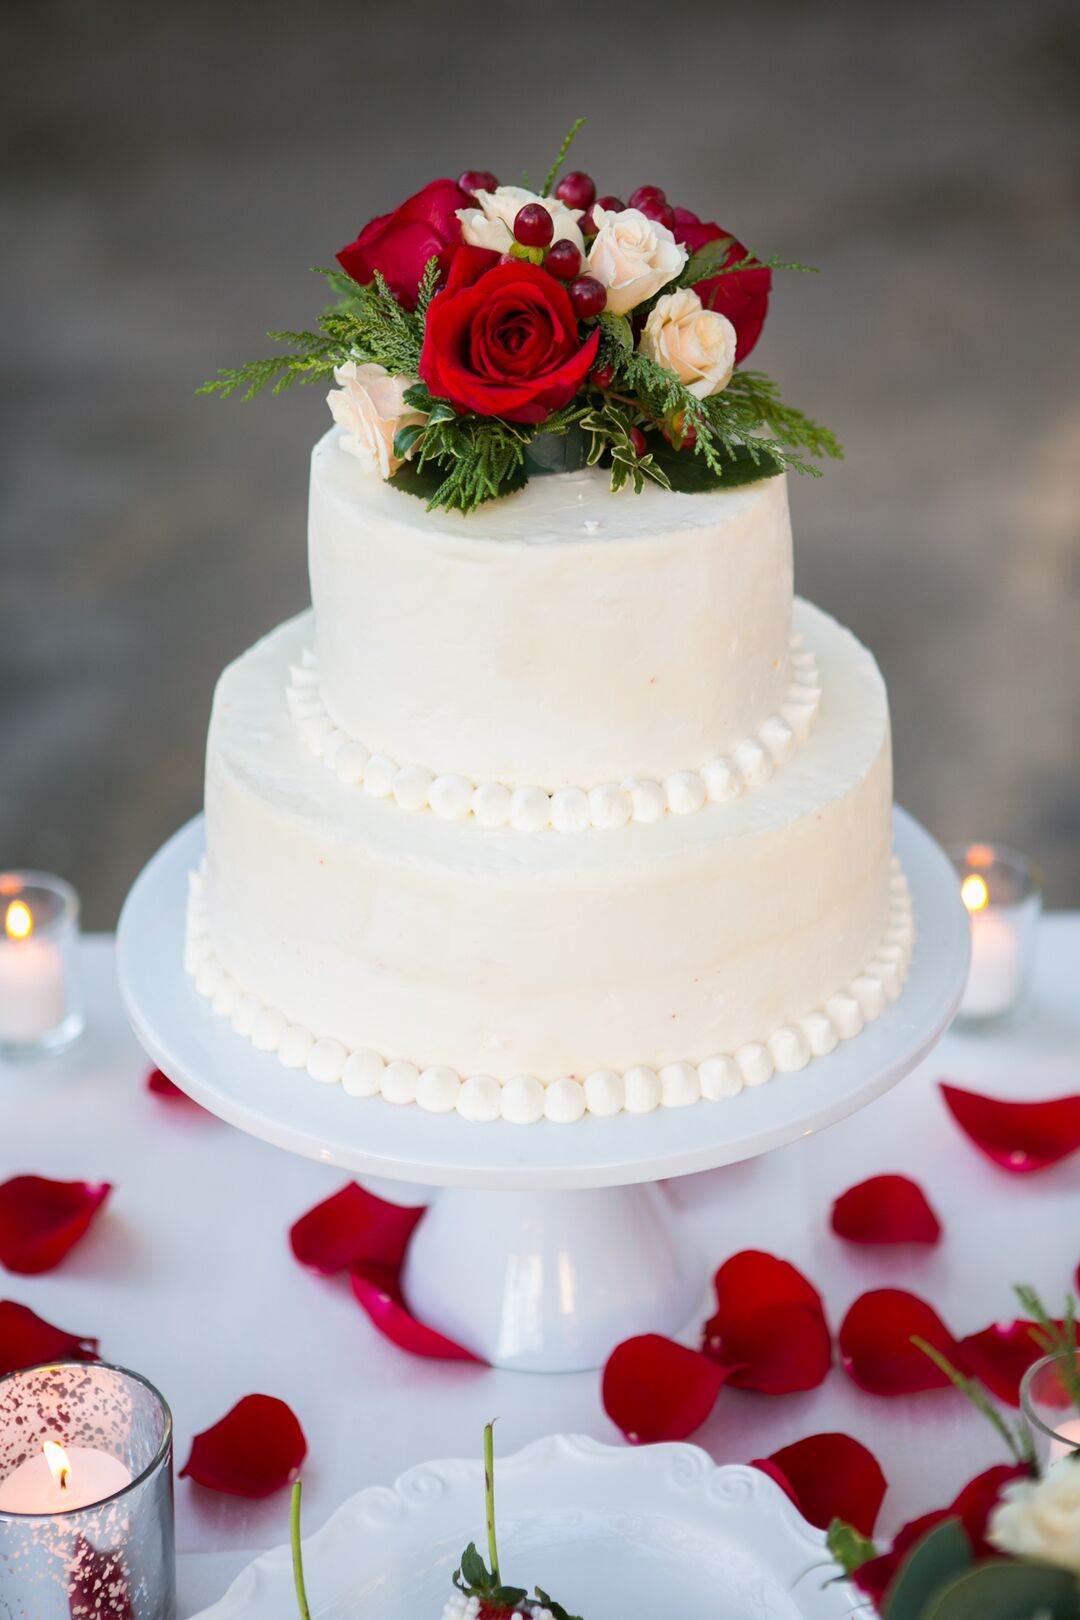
point(637, 442)
point(563, 259)
point(533, 225)
point(681, 432)
point(647, 194)
point(614, 205)
point(686, 216)
point(576, 189)
point(661, 212)
point(588, 296)
point(602, 377)
point(474, 180)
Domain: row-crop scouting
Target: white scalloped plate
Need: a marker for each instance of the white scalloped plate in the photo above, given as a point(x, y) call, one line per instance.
point(615, 1533)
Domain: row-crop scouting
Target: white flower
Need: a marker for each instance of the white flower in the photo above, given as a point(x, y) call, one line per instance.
point(1040, 1518)
point(632, 256)
point(370, 406)
point(696, 343)
point(491, 225)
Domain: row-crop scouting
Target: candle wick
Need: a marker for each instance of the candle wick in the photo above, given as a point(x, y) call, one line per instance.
point(64, 1478)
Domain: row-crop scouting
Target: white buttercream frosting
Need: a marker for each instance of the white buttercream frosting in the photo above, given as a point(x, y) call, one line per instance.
point(526, 1099)
point(529, 808)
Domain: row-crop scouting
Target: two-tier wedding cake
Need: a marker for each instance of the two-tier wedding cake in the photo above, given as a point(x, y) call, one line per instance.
point(555, 804)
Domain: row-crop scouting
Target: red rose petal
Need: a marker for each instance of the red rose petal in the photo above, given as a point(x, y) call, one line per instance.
point(1017, 1135)
point(26, 1340)
point(159, 1085)
point(885, 1209)
point(378, 1289)
point(655, 1389)
point(830, 1476)
point(253, 1451)
point(769, 1327)
point(99, 1584)
point(42, 1220)
point(352, 1226)
point(999, 1357)
point(875, 1343)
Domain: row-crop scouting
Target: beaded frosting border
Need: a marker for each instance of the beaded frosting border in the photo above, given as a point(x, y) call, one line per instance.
point(526, 1099)
point(571, 809)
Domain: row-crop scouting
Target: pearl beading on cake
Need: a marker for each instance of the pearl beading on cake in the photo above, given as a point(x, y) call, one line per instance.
point(570, 809)
point(526, 1099)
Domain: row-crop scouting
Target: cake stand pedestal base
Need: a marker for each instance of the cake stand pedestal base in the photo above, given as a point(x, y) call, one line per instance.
point(544, 1246)
point(551, 1281)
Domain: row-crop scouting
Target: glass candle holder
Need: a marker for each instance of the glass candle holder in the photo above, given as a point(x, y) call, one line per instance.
point(86, 1496)
point(1050, 1400)
point(40, 1010)
point(1003, 900)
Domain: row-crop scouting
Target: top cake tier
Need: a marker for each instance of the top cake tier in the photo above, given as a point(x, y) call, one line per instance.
point(565, 636)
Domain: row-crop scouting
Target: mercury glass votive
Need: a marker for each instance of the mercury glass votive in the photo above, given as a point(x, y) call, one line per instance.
point(40, 1009)
point(1050, 1400)
point(86, 1495)
point(1001, 893)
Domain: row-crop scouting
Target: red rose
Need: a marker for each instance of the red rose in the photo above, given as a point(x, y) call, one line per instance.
point(399, 244)
point(742, 297)
point(503, 341)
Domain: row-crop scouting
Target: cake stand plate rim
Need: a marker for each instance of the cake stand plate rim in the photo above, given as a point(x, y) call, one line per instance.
point(201, 1053)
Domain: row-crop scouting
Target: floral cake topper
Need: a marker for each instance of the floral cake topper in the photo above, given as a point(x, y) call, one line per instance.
point(487, 333)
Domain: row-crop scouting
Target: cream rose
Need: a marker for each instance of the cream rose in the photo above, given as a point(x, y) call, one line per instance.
point(632, 256)
point(696, 343)
point(491, 223)
point(369, 404)
point(1040, 1518)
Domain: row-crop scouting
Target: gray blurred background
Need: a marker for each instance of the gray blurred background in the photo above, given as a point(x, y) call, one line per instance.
point(168, 175)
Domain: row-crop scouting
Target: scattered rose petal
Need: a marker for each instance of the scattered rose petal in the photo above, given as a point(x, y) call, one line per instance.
point(159, 1085)
point(42, 1220)
point(1017, 1135)
point(655, 1389)
point(875, 1343)
point(99, 1586)
point(829, 1476)
point(885, 1209)
point(999, 1357)
point(378, 1289)
point(769, 1329)
point(350, 1227)
point(26, 1340)
point(253, 1451)
point(972, 1506)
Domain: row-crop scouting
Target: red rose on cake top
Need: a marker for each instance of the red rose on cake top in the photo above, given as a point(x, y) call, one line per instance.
point(502, 340)
point(743, 297)
point(399, 244)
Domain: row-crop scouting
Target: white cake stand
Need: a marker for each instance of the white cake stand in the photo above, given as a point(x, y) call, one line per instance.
point(549, 1243)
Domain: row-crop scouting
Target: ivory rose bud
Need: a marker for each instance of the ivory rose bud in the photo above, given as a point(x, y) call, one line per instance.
point(1040, 1518)
point(633, 257)
point(370, 405)
point(696, 343)
point(491, 223)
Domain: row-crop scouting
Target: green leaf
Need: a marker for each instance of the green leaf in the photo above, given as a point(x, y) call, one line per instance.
point(406, 437)
point(556, 1608)
point(555, 452)
point(703, 264)
point(560, 157)
point(428, 481)
point(941, 1555)
point(691, 475)
point(473, 1569)
point(848, 1547)
point(508, 1597)
point(1007, 1589)
point(419, 396)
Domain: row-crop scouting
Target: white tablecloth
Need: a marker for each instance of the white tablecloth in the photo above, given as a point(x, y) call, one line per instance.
point(188, 1277)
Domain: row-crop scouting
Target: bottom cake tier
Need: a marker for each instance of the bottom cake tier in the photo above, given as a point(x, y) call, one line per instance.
point(532, 975)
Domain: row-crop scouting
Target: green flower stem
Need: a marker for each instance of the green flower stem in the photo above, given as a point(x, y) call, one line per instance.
point(489, 1499)
point(297, 1554)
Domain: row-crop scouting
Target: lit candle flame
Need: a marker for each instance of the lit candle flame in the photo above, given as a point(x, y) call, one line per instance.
point(59, 1466)
point(974, 893)
point(18, 920)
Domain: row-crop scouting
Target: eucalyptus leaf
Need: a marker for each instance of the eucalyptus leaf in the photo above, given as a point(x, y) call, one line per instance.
point(941, 1555)
point(1007, 1589)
